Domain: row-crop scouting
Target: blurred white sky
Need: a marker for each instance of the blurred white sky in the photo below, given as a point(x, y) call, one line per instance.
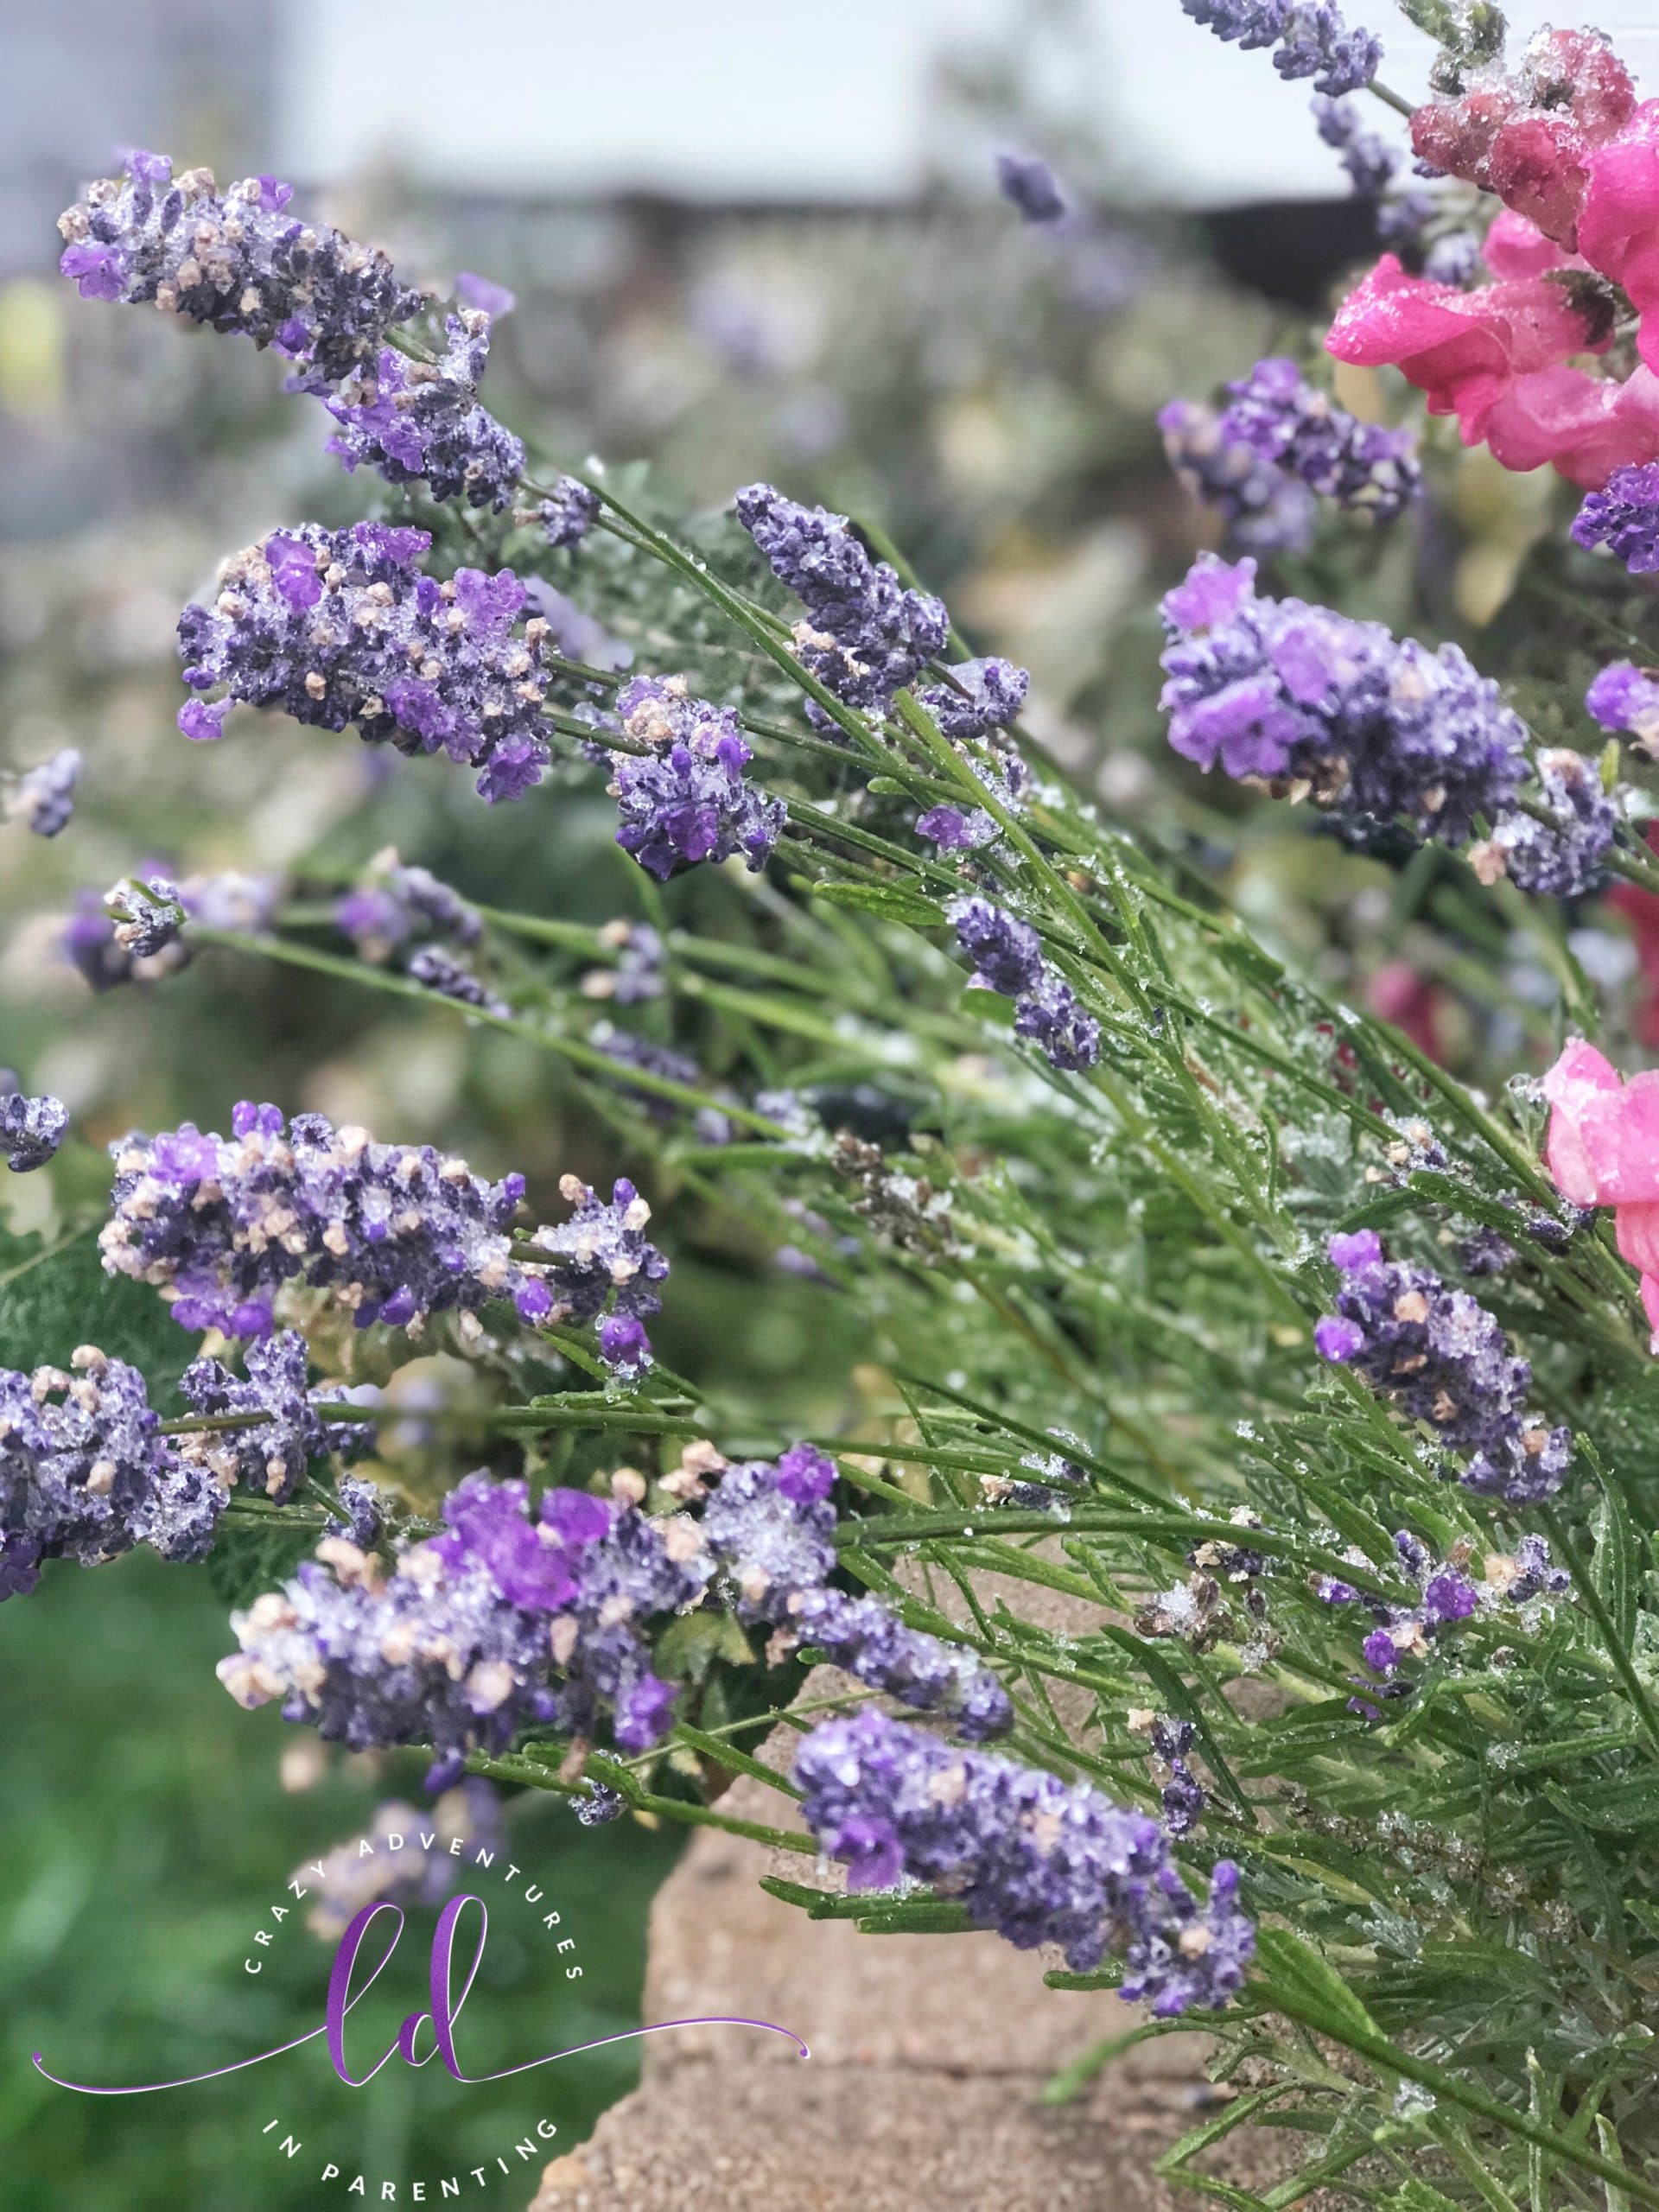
point(792, 97)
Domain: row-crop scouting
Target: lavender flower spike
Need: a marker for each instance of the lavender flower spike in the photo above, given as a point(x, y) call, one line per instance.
point(271, 1455)
point(1624, 518)
point(31, 1129)
point(43, 797)
point(1373, 728)
point(687, 800)
point(1263, 510)
point(1285, 421)
point(865, 636)
point(1007, 958)
point(85, 1475)
point(1029, 184)
point(420, 424)
point(1311, 36)
point(1439, 1356)
point(1626, 700)
point(218, 1225)
point(1037, 1859)
point(237, 260)
point(339, 626)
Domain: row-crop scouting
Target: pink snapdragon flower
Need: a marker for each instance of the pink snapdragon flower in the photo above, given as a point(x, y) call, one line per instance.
point(1603, 1150)
point(1531, 135)
point(1618, 223)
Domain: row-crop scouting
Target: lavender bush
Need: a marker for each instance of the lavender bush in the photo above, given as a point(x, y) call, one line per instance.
point(1298, 1384)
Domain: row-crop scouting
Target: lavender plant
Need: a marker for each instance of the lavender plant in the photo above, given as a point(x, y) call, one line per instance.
point(1246, 1502)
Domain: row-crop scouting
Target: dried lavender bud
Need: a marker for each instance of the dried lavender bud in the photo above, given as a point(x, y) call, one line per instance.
point(43, 797)
point(339, 626)
point(865, 636)
point(84, 1475)
point(1444, 1360)
point(687, 801)
point(422, 423)
point(31, 1129)
point(1447, 1597)
point(1037, 1859)
point(236, 260)
point(271, 1456)
point(601, 1806)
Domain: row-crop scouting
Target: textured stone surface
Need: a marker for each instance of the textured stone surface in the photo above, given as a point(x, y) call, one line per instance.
point(923, 2091)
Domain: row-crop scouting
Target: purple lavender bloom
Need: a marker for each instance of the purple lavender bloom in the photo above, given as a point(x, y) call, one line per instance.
point(1566, 856)
point(339, 626)
point(600, 1265)
point(236, 260)
point(271, 1456)
point(146, 915)
point(1626, 700)
point(1184, 1794)
point(1379, 728)
point(499, 1624)
point(1439, 1355)
point(772, 1529)
point(1007, 959)
point(404, 1857)
point(43, 797)
point(88, 940)
point(396, 1231)
point(31, 1129)
point(630, 1050)
point(485, 294)
point(365, 1508)
point(84, 1475)
point(1028, 184)
point(1372, 165)
point(1263, 510)
point(394, 902)
point(421, 423)
point(865, 636)
point(983, 696)
point(1311, 36)
point(642, 959)
point(1288, 424)
point(870, 1641)
point(1624, 518)
point(567, 514)
point(1037, 1859)
point(435, 968)
point(954, 831)
point(687, 801)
